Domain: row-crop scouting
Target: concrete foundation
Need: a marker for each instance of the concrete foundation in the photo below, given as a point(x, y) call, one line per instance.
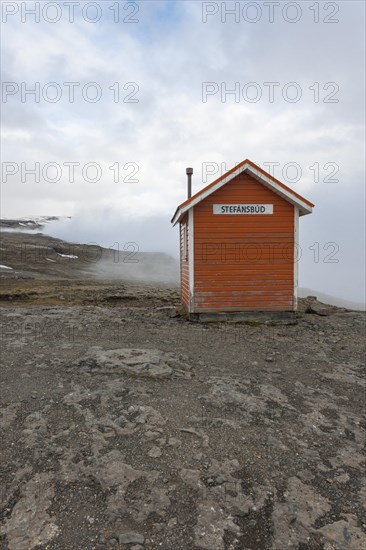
point(260, 317)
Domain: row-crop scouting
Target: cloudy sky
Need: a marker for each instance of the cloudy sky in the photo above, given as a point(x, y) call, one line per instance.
point(127, 94)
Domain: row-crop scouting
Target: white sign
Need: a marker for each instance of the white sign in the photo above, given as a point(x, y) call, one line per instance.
point(243, 208)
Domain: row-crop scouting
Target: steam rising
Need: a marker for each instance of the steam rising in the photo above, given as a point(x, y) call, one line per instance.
point(140, 250)
point(157, 269)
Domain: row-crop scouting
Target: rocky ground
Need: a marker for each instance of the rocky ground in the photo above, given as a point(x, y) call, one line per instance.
point(126, 426)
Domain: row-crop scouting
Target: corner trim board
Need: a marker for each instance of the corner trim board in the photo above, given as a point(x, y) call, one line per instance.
point(191, 259)
point(296, 254)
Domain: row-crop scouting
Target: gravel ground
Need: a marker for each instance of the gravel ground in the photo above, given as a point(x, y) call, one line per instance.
point(125, 426)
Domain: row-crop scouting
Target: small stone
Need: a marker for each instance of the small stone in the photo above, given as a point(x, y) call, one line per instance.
point(131, 538)
point(198, 456)
point(154, 452)
point(90, 520)
point(220, 479)
point(238, 512)
point(121, 420)
point(173, 442)
point(172, 522)
point(252, 523)
point(232, 527)
point(343, 478)
point(151, 435)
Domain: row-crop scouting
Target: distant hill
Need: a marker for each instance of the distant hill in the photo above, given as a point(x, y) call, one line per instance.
point(37, 256)
point(332, 300)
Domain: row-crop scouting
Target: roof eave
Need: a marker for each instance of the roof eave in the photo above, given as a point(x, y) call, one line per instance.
point(305, 207)
point(174, 221)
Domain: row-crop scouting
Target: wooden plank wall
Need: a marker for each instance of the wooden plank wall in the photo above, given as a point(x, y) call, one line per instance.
point(243, 262)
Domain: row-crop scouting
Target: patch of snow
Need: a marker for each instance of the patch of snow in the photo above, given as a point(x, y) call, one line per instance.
point(49, 260)
point(68, 256)
point(5, 267)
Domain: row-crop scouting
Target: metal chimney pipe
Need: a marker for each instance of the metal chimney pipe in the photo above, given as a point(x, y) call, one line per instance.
point(189, 172)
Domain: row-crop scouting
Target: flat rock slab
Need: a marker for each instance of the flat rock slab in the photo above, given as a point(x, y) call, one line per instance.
point(318, 309)
point(30, 525)
point(142, 363)
point(131, 538)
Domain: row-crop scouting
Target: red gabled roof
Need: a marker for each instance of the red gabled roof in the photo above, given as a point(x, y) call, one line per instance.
point(250, 167)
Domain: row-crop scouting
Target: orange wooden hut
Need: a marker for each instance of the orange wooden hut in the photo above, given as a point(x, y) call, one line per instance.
point(239, 244)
